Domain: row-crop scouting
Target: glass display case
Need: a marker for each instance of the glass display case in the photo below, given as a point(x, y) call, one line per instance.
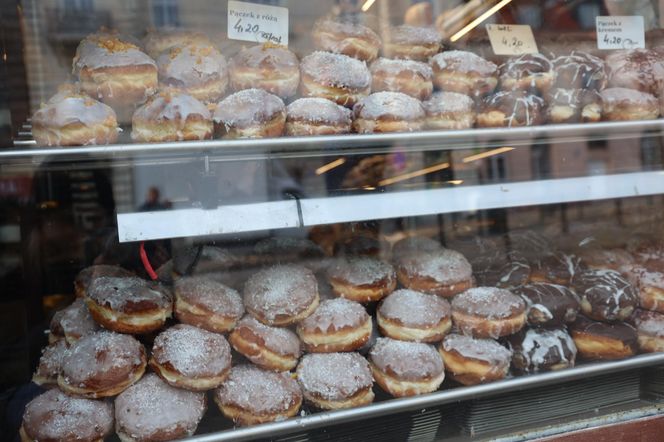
point(308, 220)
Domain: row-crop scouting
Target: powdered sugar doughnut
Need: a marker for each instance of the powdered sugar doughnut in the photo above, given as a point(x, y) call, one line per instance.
point(362, 279)
point(128, 305)
point(54, 416)
point(346, 38)
point(251, 113)
point(336, 325)
point(252, 396)
point(281, 295)
point(548, 304)
point(388, 112)
point(472, 361)
point(413, 316)
point(171, 116)
point(412, 244)
point(605, 295)
point(442, 272)
point(511, 109)
point(406, 76)
point(198, 69)
point(50, 364)
point(536, 350)
point(152, 410)
point(85, 277)
point(191, 358)
point(272, 348)
point(102, 364)
point(488, 312)
point(464, 72)
point(650, 328)
point(449, 110)
point(272, 68)
point(621, 104)
point(530, 72)
point(636, 69)
point(406, 368)
point(72, 323)
point(203, 302)
point(316, 116)
point(336, 77)
point(332, 381)
point(411, 42)
point(159, 40)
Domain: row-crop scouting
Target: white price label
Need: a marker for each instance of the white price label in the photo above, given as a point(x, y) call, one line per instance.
point(512, 39)
point(257, 23)
point(620, 32)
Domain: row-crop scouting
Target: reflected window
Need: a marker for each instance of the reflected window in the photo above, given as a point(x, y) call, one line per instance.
point(165, 13)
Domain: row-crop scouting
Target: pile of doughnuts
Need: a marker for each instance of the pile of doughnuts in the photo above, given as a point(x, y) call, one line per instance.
point(350, 67)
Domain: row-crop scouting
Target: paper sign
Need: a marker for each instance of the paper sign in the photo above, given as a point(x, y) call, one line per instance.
point(620, 32)
point(257, 23)
point(512, 39)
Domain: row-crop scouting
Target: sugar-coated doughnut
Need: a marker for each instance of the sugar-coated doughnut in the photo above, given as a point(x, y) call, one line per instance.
point(272, 348)
point(649, 284)
point(464, 72)
point(400, 75)
point(89, 274)
point(251, 113)
point(648, 252)
point(272, 68)
point(650, 328)
point(605, 295)
point(153, 411)
point(281, 295)
point(488, 312)
point(442, 272)
point(336, 77)
point(548, 304)
point(579, 71)
point(602, 340)
point(388, 112)
point(128, 305)
point(191, 358)
point(55, 416)
point(157, 41)
point(72, 323)
point(102, 364)
point(252, 396)
point(573, 106)
point(203, 302)
point(556, 268)
point(50, 364)
point(332, 381)
point(362, 278)
point(419, 14)
point(362, 245)
point(531, 72)
point(404, 368)
point(171, 115)
point(414, 244)
point(449, 110)
point(472, 361)
point(539, 349)
point(637, 69)
point(413, 316)
point(316, 116)
point(411, 42)
point(511, 109)
point(342, 37)
point(621, 104)
point(336, 325)
point(198, 69)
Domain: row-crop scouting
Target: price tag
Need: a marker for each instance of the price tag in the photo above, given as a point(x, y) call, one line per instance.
point(512, 39)
point(620, 32)
point(257, 23)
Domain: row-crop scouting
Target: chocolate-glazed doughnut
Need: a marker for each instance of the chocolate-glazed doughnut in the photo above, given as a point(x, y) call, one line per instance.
point(573, 106)
point(152, 410)
point(598, 258)
point(404, 368)
point(50, 364)
point(650, 328)
point(342, 37)
point(362, 278)
point(501, 269)
point(85, 277)
point(336, 325)
point(601, 340)
point(556, 268)
point(537, 349)
point(605, 295)
point(413, 316)
point(272, 348)
point(102, 364)
point(472, 361)
point(650, 285)
point(332, 381)
point(488, 312)
point(55, 416)
point(206, 303)
point(72, 323)
point(464, 72)
point(532, 72)
point(442, 272)
point(548, 304)
point(252, 396)
point(511, 109)
point(530, 243)
point(579, 70)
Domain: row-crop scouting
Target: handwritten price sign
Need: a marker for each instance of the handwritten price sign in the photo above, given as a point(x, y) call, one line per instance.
point(512, 39)
point(257, 23)
point(620, 32)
